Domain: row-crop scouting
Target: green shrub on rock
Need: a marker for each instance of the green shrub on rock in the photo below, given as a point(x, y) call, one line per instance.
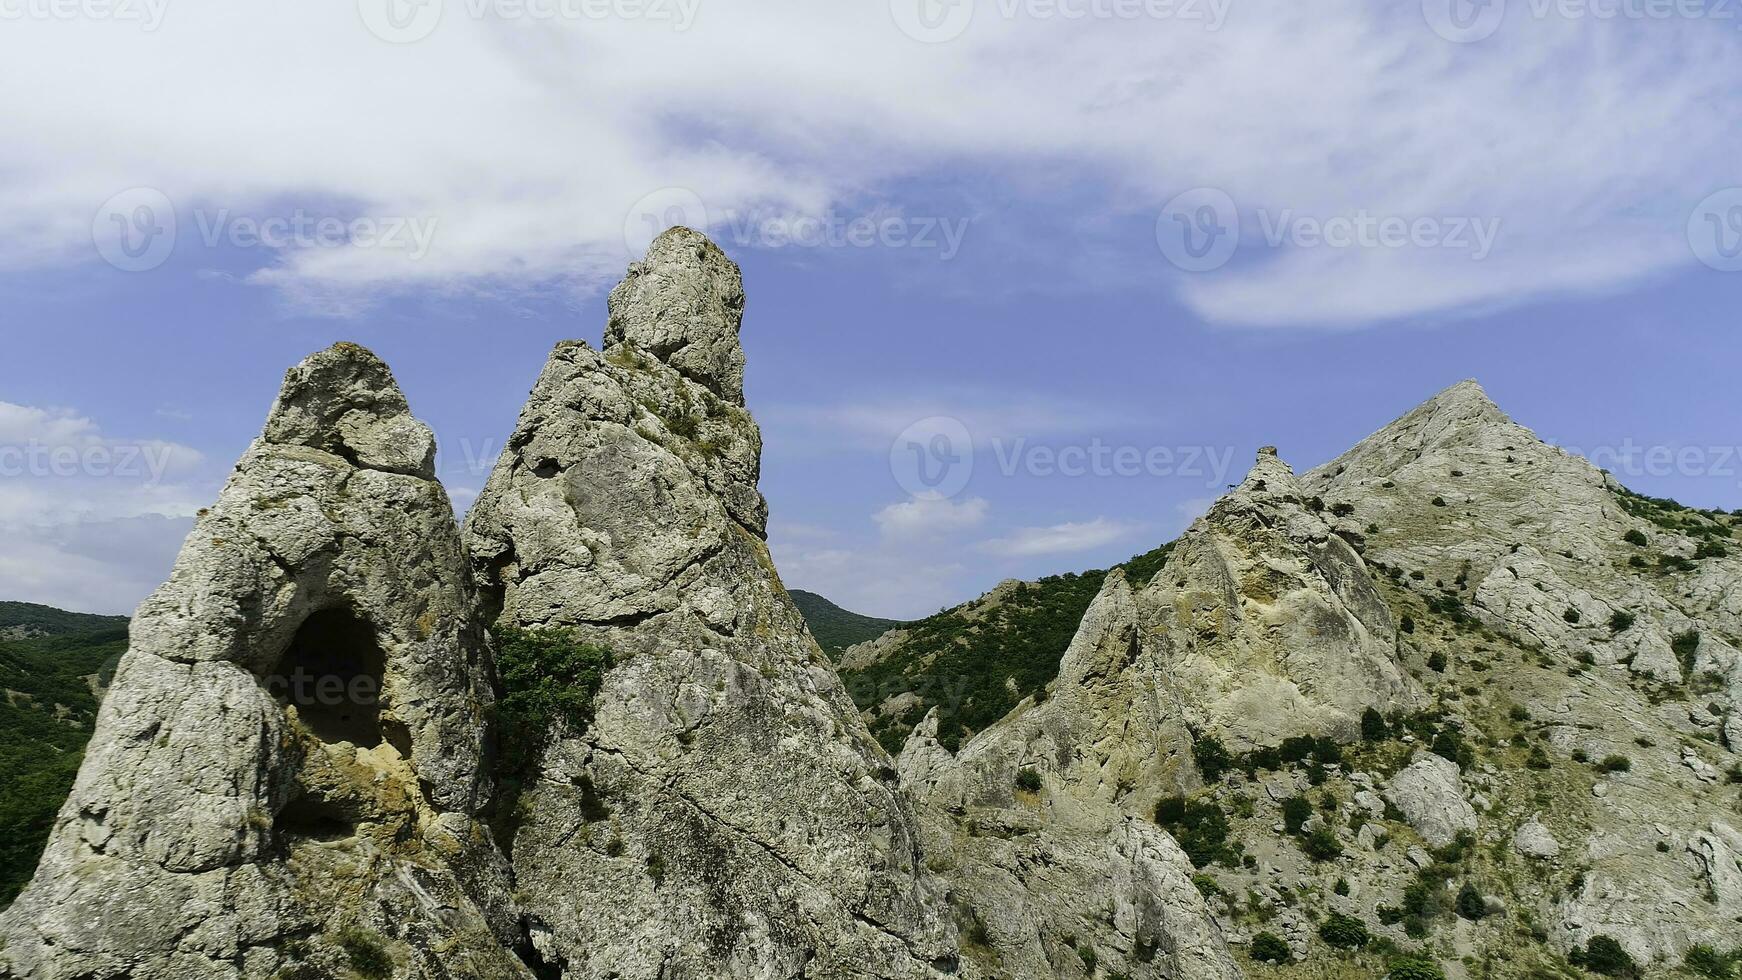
point(1344, 931)
point(1268, 947)
point(1414, 968)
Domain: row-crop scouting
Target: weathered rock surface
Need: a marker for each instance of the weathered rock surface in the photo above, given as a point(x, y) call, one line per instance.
point(726, 814)
point(1611, 621)
point(1078, 856)
point(1534, 840)
point(290, 758)
point(1432, 799)
point(1269, 623)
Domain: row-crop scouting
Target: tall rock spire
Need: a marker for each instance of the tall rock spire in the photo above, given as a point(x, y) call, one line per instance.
point(288, 765)
point(725, 813)
point(684, 304)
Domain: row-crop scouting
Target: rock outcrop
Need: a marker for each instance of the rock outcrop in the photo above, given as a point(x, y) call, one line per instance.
point(726, 813)
point(1043, 823)
point(1431, 798)
point(1269, 623)
point(288, 771)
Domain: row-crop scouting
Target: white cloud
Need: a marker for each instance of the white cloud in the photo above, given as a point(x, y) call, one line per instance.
point(99, 566)
point(532, 143)
point(895, 579)
point(930, 515)
point(92, 521)
point(1059, 539)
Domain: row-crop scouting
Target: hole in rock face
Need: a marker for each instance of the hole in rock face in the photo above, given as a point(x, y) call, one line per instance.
point(316, 819)
point(332, 675)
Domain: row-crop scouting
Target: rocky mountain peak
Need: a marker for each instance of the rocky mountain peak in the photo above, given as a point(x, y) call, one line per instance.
point(344, 401)
point(684, 304)
point(1458, 419)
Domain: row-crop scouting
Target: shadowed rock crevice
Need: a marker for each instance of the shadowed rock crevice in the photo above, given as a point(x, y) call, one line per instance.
point(331, 678)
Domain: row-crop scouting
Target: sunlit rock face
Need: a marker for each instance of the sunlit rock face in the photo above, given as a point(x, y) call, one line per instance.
point(290, 760)
point(725, 813)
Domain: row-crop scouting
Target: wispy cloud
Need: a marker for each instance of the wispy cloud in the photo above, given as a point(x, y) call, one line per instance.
point(1059, 539)
point(92, 520)
point(930, 515)
point(1321, 111)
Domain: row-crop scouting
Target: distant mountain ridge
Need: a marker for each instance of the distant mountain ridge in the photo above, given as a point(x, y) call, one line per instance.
point(54, 667)
point(21, 620)
point(836, 628)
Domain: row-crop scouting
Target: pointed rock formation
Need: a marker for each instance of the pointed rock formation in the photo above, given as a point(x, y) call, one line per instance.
point(287, 768)
point(1608, 620)
point(1268, 622)
point(1043, 821)
point(726, 813)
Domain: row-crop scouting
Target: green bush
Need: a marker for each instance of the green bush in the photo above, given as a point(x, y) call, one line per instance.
point(1439, 501)
point(1342, 510)
point(1344, 931)
point(1637, 538)
point(1685, 645)
point(1711, 549)
point(1436, 662)
point(1413, 968)
point(1295, 812)
point(1704, 961)
point(1341, 887)
point(1572, 615)
point(1200, 827)
point(1373, 726)
point(1603, 955)
point(1620, 621)
point(1471, 905)
point(1213, 758)
point(1321, 845)
point(1028, 780)
point(1407, 624)
point(1615, 763)
point(1268, 947)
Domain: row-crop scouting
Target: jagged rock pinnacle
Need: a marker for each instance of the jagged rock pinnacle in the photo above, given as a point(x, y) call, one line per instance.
point(684, 304)
point(343, 400)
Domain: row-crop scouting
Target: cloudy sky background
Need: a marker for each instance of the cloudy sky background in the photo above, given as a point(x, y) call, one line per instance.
point(1565, 174)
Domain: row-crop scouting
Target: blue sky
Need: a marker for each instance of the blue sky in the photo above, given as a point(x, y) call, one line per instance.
point(1540, 201)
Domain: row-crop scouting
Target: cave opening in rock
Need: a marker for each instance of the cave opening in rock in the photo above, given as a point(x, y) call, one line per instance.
point(332, 675)
point(315, 819)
